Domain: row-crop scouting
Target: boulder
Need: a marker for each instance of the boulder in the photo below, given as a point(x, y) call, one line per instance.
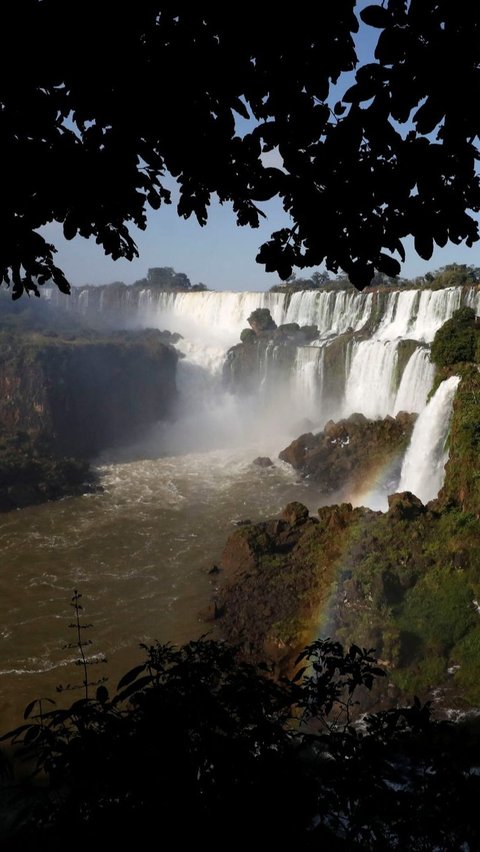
point(263, 461)
point(349, 452)
point(261, 320)
point(295, 514)
point(296, 452)
point(405, 506)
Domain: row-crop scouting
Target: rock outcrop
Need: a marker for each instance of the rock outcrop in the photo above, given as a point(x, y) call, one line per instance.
point(277, 577)
point(29, 476)
point(78, 395)
point(347, 453)
point(243, 366)
point(403, 582)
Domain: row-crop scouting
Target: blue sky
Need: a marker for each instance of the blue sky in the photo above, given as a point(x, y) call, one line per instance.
point(221, 255)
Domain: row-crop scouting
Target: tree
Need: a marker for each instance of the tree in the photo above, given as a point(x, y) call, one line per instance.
point(318, 278)
point(90, 135)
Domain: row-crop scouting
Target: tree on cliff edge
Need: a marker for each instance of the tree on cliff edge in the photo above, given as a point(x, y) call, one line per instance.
point(100, 102)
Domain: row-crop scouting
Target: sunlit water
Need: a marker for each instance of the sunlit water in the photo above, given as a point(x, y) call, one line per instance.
point(139, 553)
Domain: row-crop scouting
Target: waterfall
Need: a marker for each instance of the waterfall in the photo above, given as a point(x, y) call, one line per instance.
point(423, 468)
point(415, 383)
point(415, 314)
point(370, 384)
point(358, 362)
point(307, 379)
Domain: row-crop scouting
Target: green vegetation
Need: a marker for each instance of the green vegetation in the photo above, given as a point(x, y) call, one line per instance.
point(462, 481)
point(438, 610)
point(456, 341)
point(451, 275)
point(261, 320)
point(410, 593)
point(247, 335)
point(165, 278)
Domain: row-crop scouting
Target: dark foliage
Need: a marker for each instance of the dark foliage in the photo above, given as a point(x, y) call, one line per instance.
point(197, 746)
point(89, 133)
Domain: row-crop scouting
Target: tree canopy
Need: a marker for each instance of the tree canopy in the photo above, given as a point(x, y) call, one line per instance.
point(108, 101)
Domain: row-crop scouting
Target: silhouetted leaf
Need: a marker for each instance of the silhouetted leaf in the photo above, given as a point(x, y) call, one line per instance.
point(388, 265)
point(298, 675)
point(32, 734)
point(137, 686)
point(375, 16)
point(131, 675)
point(29, 708)
point(424, 245)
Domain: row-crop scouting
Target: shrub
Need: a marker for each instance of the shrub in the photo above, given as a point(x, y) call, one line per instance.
point(455, 341)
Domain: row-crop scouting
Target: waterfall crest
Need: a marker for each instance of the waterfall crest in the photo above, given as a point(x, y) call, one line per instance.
point(371, 355)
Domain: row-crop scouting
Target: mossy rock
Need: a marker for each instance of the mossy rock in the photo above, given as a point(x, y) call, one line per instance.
point(456, 341)
point(247, 335)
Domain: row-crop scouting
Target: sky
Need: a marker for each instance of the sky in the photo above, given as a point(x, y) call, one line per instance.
point(220, 254)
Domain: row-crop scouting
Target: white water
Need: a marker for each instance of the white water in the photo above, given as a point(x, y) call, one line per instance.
point(368, 379)
point(370, 388)
point(415, 314)
point(367, 374)
point(423, 468)
point(416, 381)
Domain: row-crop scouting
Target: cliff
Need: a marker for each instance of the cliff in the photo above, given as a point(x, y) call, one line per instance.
point(404, 582)
point(78, 395)
point(30, 475)
point(348, 453)
point(245, 363)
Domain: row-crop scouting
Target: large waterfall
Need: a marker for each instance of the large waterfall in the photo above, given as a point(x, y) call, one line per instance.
point(371, 354)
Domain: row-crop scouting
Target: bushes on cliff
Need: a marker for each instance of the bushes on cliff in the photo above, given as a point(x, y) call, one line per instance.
point(261, 320)
point(455, 341)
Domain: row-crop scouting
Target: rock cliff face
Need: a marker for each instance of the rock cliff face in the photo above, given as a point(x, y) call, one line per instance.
point(29, 476)
point(404, 582)
point(78, 396)
point(346, 453)
point(245, 362)
point(277, 579)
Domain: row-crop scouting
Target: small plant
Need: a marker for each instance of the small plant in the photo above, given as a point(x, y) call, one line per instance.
point(83, 660)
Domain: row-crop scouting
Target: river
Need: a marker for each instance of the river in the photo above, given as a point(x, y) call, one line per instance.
point(139, 553)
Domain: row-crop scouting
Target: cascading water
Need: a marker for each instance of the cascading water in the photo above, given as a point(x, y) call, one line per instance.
point(423, 468)
point(415, 383)
point(372, 378)
point(370, 384)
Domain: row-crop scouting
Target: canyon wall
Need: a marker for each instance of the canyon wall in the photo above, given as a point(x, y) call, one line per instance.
point(78, 396)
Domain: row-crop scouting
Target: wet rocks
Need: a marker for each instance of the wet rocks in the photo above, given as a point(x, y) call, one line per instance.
point(405, 505)
point(29, 477)
point(346, 453)
point(261, 320)
point(277, 576)
point(295, 514)
point(263, 461)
